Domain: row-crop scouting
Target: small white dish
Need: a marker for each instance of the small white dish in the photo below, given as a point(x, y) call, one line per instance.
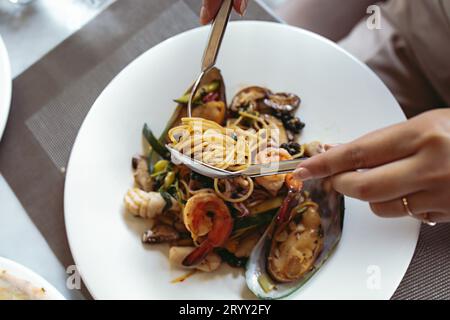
point(21, 274)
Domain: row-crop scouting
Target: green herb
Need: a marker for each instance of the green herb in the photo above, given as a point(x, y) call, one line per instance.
point(177, 193)
point(255, 221)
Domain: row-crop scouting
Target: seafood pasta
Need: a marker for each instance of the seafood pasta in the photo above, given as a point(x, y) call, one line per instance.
point(207, 222)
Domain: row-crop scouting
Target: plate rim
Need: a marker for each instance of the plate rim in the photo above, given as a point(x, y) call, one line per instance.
point(173, 38)
point(24, 273)
point(5, 101)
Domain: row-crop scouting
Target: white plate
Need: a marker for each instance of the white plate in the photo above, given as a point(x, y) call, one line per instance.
point(342, 99)
point(23, 273)
point(5, 86)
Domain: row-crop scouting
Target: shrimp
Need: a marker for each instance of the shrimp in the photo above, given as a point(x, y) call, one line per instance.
point(207, 218)
point(274, 183)
point(294, 184)
point(147, 204)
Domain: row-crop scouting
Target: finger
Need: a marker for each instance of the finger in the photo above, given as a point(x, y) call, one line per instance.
point(387, 182)
point(240, 6)
point(209, 10)
point(435, 217)
point(374, 149)
point(329, 146)
point(419, 203)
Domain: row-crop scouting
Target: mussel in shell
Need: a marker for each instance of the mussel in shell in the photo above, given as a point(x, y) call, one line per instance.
point(299, 240)
point(295, 246)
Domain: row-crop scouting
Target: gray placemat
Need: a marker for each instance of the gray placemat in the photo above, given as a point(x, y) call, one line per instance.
point(428, 276)
point(52, 98)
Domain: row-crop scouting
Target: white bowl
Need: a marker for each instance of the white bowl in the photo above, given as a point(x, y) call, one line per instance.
point(342, 99)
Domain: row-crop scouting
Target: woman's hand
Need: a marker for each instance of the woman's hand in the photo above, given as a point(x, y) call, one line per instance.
point(410, 160)
point(211, 7)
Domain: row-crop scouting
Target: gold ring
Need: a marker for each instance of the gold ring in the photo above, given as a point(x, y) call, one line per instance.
point(426, 217)
point(406, 205)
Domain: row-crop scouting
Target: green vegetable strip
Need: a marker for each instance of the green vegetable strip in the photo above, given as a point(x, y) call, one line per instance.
point(168, 199)
point(155, 143)
point(150, 161)
point(207, 88)
point(231, 259)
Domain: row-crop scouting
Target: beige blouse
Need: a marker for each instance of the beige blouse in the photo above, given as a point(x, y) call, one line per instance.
point(425, 24)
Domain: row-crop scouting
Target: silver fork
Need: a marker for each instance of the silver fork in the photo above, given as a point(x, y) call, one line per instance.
point(253, 171)
point(212, 49)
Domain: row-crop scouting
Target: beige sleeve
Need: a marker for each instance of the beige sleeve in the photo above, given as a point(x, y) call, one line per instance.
point(414, 66)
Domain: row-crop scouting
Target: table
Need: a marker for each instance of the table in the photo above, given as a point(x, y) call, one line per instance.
point(30, 31)
point(51, 99)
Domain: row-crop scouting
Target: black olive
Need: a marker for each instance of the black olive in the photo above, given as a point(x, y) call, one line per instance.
point(294, 125)
point(292, 147)
point(285, 117)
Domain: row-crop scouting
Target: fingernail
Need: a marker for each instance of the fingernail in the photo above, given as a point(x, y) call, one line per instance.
point(302, 174)
point(204, 15)
point(243, 7)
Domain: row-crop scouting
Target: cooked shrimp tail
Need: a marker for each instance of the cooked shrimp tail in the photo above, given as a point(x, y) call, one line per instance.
point(199, 254)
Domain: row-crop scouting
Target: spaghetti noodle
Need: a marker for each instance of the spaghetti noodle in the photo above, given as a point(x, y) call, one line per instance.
point(230, 148)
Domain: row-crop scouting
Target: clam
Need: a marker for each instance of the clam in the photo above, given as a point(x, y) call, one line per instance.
point(298, 242)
